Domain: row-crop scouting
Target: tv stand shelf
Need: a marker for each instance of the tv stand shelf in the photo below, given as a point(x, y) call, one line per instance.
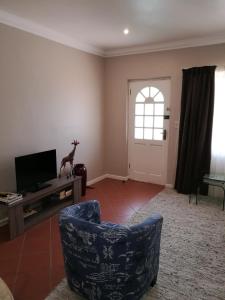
point(18, 222)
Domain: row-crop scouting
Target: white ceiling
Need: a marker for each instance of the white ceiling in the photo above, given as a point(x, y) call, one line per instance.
point(96, 26)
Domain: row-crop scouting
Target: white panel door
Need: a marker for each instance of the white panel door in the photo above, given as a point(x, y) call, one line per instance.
point(148, 130)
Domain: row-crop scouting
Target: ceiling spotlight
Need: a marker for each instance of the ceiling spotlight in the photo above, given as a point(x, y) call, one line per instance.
point(126, 31)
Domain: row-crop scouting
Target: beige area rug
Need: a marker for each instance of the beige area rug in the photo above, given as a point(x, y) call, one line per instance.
point(192, 259)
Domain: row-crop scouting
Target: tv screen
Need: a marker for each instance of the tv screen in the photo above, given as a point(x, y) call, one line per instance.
point(33, 170)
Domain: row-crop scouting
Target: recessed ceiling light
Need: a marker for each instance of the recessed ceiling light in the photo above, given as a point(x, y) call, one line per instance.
point(126, 31)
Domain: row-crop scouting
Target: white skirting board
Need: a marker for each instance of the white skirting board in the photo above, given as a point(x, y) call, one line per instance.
point(169, 185)
point(117, 177)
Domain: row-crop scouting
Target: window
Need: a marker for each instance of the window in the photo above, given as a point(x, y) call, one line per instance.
point(149, 114)
point(218, 139)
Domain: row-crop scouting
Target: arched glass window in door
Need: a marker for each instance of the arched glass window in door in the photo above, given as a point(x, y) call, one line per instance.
point(149, 114)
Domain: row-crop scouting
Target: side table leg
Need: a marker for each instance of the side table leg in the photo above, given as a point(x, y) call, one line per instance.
point(196, 196)
point(223, 199)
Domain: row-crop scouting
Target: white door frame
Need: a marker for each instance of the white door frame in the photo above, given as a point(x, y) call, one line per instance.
point(166, 142)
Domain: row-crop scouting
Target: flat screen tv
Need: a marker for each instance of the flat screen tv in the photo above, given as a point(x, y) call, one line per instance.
point(34, 170)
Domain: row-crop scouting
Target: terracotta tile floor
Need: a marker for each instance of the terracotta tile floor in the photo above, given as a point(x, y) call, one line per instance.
point(32, 264)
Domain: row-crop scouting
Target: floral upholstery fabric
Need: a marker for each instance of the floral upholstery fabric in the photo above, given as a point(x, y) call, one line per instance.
point(105, 261)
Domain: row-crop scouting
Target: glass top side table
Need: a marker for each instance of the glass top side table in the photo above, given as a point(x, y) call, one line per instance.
point(214, 180)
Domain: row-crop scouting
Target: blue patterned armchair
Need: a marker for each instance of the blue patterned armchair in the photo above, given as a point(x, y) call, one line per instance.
point(105, 261)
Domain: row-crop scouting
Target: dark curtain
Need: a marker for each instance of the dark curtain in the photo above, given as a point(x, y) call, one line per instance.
point(194, 150)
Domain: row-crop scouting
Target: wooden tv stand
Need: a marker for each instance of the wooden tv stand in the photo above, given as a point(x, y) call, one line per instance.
point(17, 221)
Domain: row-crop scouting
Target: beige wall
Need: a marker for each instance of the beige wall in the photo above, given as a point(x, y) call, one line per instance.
point(49, 95)
point(153, 65)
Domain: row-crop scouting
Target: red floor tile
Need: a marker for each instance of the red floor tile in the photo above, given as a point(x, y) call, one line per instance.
point(33, 277)
point(57, 269)
point(32, 264)
point(33, 285)
point(37, 239)
point(11, 248)
point(9, 264)
point(8, 270)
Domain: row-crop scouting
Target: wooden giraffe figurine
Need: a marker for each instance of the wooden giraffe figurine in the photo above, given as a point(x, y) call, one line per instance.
point(69, 158)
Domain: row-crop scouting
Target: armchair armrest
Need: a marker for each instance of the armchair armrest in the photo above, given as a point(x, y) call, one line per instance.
point(145, 242)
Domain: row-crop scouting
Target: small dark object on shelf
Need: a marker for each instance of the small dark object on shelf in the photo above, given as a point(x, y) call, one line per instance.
point(80, 170)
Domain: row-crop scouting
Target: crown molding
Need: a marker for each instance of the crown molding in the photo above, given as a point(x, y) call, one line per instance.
point(37, 29)
point(181, 44)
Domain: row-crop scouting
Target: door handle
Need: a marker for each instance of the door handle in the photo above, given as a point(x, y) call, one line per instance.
point(164, 134)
